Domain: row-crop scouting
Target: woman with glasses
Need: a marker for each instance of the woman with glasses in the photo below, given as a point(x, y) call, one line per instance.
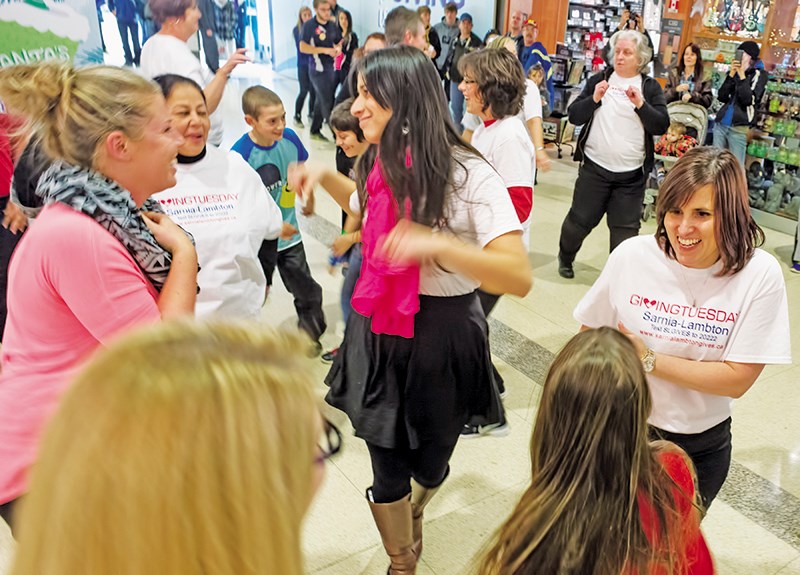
point(183, 448)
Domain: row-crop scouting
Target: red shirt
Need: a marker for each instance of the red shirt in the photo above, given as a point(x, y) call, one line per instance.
point(698, 556)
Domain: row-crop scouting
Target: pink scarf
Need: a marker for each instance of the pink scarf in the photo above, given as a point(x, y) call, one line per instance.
point(386, 292)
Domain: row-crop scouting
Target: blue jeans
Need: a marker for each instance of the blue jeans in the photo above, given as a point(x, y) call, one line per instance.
point(733, 139)
point(350, 279)
point(456, 105)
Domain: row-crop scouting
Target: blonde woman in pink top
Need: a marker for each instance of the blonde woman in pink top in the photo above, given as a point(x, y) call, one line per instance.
point(101, 256)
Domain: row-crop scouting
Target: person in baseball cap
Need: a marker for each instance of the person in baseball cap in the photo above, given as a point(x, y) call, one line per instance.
point(743, 86)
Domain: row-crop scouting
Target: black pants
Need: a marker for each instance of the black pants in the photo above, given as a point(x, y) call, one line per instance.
point(619, 196)
point(296, 276)
point(211, 50)
point(488, 301)
point(392, 469)
point(324, 84)
point(125, 29)
point(710, 452)
point(305, 90)
point(7, 513)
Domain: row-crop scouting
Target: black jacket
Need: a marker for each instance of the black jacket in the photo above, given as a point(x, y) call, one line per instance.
point(743, 95)
point(700, 95)
point(458, 48)
point(653, 114)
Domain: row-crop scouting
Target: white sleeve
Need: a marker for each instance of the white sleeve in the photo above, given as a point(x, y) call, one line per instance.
point(532, 104)
point(355, 203)
point(486, 201)
point(470, 122)
point(513, 160)
point(595, 308)
point(763, 333)
point(265, 213)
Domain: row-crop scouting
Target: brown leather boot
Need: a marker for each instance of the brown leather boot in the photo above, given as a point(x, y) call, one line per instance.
point(394, 524)
point(420, 497)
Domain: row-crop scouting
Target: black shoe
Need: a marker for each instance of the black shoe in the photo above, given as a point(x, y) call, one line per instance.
point(319, 137)
point(298, 122)
point(496, 430)
point(329, 356)
point(565, 270)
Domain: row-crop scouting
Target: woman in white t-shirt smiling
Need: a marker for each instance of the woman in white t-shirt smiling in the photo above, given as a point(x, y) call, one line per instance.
point(705, 308)
point(168, 53)
point(222, 202)
point(621, 109)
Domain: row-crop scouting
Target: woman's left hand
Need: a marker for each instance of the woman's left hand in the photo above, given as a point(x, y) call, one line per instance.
point(637, 342)
point(686, 97)
point(635, 96)
point(410, 243)
point(542, 161)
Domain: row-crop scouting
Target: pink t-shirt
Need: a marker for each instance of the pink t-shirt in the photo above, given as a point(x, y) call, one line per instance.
point(72, 288)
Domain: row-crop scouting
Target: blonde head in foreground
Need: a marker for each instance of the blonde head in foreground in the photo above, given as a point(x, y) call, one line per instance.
point(184, 448)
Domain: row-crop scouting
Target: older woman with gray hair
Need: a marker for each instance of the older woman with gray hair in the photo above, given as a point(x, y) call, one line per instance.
point(168, 53)
point(621, 109)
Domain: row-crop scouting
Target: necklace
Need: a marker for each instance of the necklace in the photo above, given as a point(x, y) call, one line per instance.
point(689, 287)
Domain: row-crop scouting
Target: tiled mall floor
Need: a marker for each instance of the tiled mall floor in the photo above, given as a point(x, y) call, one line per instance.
point(752, 528)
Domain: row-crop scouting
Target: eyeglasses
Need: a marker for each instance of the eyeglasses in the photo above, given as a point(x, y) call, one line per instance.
point(331, 441)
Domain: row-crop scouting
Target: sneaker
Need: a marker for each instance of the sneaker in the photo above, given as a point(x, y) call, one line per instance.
point(328, 356)
point(495, 430)
point(565, 270)
point(795, 267)
point(318, 136)
point(298, 122)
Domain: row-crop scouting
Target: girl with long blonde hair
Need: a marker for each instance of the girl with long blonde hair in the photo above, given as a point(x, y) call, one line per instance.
point(602, 499)
point(184, 448)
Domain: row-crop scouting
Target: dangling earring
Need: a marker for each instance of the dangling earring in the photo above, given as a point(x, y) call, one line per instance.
point(406, 128)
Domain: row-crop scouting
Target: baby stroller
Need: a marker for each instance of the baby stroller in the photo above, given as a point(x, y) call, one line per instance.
point(695, 118)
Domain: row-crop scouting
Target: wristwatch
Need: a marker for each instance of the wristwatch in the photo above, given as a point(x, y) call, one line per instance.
point(649, 360)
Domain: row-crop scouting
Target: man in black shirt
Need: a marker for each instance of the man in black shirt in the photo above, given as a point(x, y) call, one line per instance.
point(321, 38)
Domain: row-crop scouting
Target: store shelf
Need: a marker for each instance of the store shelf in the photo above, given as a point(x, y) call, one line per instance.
point(708, 34)
point(789, 45)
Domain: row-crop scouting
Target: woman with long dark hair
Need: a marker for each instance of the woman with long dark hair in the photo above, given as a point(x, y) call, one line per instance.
point(415, 362)
point(344, 60)
point(303, 16)
point(687, 82)
point(602, 498)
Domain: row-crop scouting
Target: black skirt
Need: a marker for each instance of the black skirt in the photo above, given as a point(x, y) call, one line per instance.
point(402, 393)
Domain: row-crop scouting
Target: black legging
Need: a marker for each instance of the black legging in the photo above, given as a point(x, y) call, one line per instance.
point(305, 90)
point(393, 469)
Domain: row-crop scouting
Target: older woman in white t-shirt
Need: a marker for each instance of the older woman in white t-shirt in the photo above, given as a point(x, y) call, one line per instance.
point(620, 109)
point(168, 53)
point(222, 202)
point(705, 308)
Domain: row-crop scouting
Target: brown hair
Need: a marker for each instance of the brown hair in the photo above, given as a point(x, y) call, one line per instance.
point(257, 97)
point(318, 3)
point(342, 120)
point(499, 78)
point(423, 10)
point(698, 66)
point(736, 232)
point(591, 465)
point(184, 447)
point(399, 21)
point(74, 109)
point(451, 7)
point(300, 16)
point(163, 9)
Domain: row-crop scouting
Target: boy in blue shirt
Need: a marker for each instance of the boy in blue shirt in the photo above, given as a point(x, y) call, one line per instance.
point(269, 148)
